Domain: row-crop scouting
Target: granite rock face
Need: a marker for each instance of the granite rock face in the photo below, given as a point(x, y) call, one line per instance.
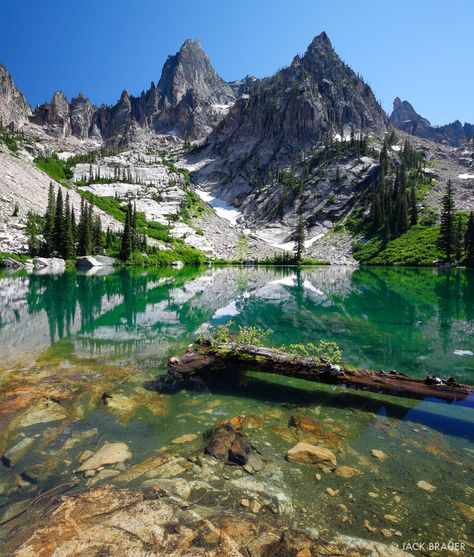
point(54, 116)
point(297, 107)
point(190, 69)
point(405, 118)
point(276, 128)
point(13, 106)
point(81, 115)
point(189, 101)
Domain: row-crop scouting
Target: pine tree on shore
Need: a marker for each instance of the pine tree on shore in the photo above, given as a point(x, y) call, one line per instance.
point(59, 224)
point(97, 236)
point(458, 237)
point(126, 245)
point(69, 247)
point(49, 219)
point(300, 238)
point(84, 230)
point(446, 235)
point(469, 241)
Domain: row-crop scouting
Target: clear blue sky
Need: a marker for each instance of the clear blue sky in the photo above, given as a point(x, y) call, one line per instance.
point(420, 50)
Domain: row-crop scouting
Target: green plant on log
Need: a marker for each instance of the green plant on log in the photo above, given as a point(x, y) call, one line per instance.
point(252, 335)
point(221, 333)
point(324, 350)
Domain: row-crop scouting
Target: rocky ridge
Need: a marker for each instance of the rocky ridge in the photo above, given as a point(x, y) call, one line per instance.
point(189, 100)
point(405, 118)
point(277, 128)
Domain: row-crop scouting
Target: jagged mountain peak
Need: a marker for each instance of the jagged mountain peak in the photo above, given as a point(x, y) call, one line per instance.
point(405, 118)
point(404, 111)
point(190, 44)
point(124, 97)
point(191, 69)
point(321, 41)
point(14, 108)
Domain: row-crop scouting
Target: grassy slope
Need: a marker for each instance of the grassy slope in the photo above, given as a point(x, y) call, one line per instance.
point(416, 247)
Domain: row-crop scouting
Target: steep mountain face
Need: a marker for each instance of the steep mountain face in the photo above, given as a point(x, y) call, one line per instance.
point(54, 116)
point(13, 106)
point(405, 118)
point(189, 101)
point(190, 69)
point(240, 86)
point(280, 121)
point(297, 108)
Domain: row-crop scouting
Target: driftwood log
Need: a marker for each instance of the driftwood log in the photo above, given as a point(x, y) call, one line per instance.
point(238, 357)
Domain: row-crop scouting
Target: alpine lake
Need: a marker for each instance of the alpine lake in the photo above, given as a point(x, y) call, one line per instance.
point(405, 467)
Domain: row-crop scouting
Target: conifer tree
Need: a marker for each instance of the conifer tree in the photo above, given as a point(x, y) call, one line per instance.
point(446, 235)
point(401, 205)
point(469, 241)
point(74, 227)
point(413, 205)
point(59, 224)
point(49, 219)
point(133, 227)
point(126, 245)
point(68, 238)
point(97, 235)
point(300, 238)
point(384, 158)
point(379, 201)
point(458, 237)
point(85, 230)
point(108, 238)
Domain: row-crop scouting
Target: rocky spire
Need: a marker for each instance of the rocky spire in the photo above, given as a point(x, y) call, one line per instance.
point(54, 115)
point(13, 106)
point(81, 115)
point(191, 69)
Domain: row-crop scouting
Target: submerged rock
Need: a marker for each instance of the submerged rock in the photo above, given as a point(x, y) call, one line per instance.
point(178, 487)
point(305, 423)
point(226, 442)
point(45, 412)
point(110, 453)
point(425, 486)
point(346, 472)
point(187, 438)
point(17, 452)
point(379, 455)
point(116, 522)
point(304, 453)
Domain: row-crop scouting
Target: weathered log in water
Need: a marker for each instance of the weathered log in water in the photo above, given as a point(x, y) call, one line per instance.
point(240, 357)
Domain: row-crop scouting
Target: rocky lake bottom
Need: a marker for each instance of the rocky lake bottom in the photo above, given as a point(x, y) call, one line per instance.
point(135, 472)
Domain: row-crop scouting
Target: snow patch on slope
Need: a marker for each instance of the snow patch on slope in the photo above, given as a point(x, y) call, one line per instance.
point(221, 207)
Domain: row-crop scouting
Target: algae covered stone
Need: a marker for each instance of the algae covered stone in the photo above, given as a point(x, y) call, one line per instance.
point(110, 453)
point(304, 453)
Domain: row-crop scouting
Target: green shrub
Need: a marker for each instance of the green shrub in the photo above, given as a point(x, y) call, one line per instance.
point(324, 350)
point(417, 247)
point(252, 335)
point(221, 333)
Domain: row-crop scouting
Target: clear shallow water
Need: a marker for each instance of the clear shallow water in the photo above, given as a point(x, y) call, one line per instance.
point(91, 332)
